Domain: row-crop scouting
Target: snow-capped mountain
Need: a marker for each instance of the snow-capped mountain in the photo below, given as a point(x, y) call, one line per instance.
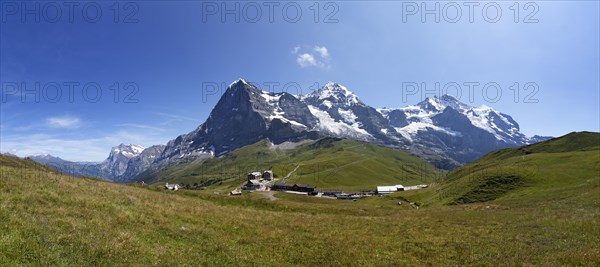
point(126, 161)
point(442, 130)
point(428, 115)
point(243, 115)
point(118, 159)
point(139, 163)
point(341, 113)
point(458, 131)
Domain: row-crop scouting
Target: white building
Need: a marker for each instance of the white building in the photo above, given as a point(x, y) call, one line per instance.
point(389, 189)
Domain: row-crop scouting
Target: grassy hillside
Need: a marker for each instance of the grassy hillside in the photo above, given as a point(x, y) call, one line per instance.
point(51, 219)
point(23, 164)
point(328, 163)
point(564, 170)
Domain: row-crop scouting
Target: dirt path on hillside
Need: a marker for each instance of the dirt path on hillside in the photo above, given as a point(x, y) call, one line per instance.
point(290, 174)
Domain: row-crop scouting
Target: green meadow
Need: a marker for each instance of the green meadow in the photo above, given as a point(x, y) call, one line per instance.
point(329, 164)
point(531, 206)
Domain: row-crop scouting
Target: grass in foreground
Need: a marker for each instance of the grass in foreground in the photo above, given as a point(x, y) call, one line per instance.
point(51, 219)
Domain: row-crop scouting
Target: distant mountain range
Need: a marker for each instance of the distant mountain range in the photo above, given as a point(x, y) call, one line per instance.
point(70, 167)
point(442, 130)
point(123, 161)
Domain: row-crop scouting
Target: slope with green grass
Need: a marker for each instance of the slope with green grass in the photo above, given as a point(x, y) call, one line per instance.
point(47, 218)
point(329, 163)
point(564, 169)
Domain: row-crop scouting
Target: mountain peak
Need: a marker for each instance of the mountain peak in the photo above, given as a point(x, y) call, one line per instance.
point(245, 114)
point(242, 85)
point(436, 103)
point(239, 81)
point(334, 94)
point(127, 150)
point(336, 87)
point(432, 104)
point(448, 98)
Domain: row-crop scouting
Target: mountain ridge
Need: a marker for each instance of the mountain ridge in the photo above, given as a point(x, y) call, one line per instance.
point(442, 130)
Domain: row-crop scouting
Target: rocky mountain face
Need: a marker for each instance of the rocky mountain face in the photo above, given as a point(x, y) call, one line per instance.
point(140, 163)
point(127, 161)
point(244, 115)
point(456, 131)
point(442, 130)
point(341, 113)
point(118, 160)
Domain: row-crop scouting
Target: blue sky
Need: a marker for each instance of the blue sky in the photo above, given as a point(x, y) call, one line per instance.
point(162, 59)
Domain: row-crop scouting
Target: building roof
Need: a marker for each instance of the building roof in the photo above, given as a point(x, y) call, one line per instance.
point(305, 185)
point(392, 188)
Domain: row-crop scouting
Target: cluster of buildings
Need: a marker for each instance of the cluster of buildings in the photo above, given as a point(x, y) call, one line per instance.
point(258, 181)
point(263, 181)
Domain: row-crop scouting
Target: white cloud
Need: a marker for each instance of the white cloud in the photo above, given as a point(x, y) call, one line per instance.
point(322, 51)
point(306, 60)
point(318, 56)
point(63, 122)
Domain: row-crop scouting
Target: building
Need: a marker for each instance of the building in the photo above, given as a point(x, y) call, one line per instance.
point(389, 189)
point(252, 185)
point(303, 188)
point(254, 176)
point(294, 187)
point(267, 175)
point(283, 187)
